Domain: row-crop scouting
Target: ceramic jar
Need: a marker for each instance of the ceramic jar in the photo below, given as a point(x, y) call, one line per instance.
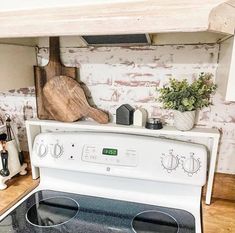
point(184, 120)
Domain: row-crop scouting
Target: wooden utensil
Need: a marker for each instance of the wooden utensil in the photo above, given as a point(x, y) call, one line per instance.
point(43, 74)
point(67, 101)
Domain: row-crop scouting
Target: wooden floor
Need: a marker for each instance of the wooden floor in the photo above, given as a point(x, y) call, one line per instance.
point(219, 217)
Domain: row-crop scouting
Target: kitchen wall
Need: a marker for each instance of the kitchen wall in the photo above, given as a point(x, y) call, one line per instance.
point(16, 61)
point(20, 104)
point(131, 75)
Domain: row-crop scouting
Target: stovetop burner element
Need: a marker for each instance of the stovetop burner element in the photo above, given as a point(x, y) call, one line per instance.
point(53, 211)
point(154, 221)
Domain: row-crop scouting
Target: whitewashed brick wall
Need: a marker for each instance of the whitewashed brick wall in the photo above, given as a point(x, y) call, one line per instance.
point(115, 75)
point(20, 105)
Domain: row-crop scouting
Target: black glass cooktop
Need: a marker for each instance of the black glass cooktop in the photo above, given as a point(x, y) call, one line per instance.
point(51, 212)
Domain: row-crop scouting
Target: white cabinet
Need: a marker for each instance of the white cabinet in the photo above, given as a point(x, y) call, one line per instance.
point(16, 66)
point(225, 77)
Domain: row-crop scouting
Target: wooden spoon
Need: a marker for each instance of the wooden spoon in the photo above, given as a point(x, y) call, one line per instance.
point(66, 101)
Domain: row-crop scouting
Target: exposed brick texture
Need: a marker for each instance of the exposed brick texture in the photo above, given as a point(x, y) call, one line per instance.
point(114, 76)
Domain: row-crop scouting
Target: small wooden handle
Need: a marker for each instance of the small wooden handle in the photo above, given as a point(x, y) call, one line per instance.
point(98, 115)
point(54, 50)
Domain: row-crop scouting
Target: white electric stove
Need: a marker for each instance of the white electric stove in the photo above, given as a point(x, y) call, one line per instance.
point(110, 183)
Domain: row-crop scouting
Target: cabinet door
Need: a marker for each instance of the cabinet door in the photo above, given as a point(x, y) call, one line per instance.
point(225, 77)
point(16, 66)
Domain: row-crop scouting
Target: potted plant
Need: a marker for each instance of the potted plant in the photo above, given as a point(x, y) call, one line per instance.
point(185, 98)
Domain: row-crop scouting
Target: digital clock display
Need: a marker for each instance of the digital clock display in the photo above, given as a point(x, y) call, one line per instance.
point(110, 151)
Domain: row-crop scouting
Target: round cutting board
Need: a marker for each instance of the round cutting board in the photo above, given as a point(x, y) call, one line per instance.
point(66, 101)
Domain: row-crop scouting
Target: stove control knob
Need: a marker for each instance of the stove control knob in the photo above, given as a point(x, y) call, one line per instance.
point(42, 150)
point(57, 150)
point(170, 162)
point(191, 165)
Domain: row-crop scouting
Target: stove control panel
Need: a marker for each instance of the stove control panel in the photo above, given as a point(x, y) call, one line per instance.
point(57, 150)
point(189, 163)
point(170, 161)
point(123, 155)
point(110, 155)
point(42, 150)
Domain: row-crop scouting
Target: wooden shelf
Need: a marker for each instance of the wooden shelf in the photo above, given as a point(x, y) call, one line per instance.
point(111, 127)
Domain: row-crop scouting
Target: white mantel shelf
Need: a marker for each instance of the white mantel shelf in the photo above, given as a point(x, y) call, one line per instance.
point(106, 17)
point(112, 127)
point(36, 126)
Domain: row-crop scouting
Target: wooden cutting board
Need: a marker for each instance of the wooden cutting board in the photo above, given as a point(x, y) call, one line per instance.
point(67, 101)
point(45, 73)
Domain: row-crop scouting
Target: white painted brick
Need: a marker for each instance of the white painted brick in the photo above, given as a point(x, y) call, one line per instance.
point(115, 76)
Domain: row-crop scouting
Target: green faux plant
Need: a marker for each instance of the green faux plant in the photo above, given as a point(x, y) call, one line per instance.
point(183, 96)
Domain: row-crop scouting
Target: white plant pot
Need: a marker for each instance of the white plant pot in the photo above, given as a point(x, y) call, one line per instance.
point(184, 120)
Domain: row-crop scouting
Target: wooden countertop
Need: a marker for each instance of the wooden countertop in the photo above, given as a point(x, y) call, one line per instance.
point(18, 187)
point(219, 217)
